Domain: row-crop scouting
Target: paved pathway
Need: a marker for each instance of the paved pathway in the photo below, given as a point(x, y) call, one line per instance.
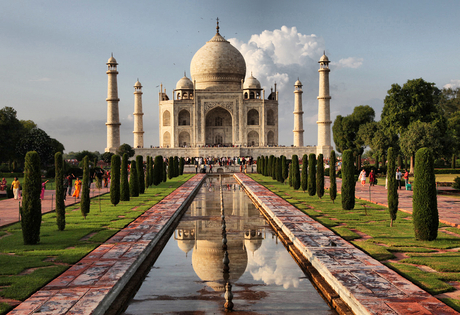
point(448, 207)
point(363, 283)
point(9, 208)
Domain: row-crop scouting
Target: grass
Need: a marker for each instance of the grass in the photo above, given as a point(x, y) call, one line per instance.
point(25, 268)
point(383, 241)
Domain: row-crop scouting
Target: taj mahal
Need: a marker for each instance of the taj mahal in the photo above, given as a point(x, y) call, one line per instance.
point(220, 111)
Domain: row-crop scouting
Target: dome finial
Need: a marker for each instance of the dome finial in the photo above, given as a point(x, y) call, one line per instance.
point(185, 73)
point(217, 27)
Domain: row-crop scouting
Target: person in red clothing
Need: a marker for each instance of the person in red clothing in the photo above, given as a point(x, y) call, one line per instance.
point(406, 177)
point(371, 178)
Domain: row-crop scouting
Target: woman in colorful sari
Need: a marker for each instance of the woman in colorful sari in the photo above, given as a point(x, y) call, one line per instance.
point(76, 193)
point(42, 194)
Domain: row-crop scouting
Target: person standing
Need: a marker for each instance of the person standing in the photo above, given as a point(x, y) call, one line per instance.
point(371, 178)
point(76, 193)
point(69, 184)
point(15, 185)
point(362, 177)
point(398, 178)
point(42, 194)
point(406, 178)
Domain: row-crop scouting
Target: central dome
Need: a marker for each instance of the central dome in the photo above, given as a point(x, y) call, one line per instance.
point(218, 66)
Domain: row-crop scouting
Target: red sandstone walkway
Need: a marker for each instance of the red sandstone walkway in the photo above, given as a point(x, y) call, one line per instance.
point(448, 207)
point(9, 208)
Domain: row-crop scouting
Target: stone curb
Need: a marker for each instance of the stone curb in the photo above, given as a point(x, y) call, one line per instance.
point(365, 284)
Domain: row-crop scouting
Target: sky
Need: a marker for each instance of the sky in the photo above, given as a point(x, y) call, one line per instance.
point(53, 56)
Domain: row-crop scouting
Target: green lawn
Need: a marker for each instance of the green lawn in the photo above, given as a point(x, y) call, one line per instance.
point(24, 268)
point(374, 221)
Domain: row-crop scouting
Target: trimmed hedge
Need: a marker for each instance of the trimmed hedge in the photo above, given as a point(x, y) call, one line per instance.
point(312, 174)
point(348, 180)
point(332, 177)
point(295, 172)
point(85, 200)
point(124, 184)
point(392, 192)
point(60, 191)
point(304, 175)
point(115, 179)
point(320, 176)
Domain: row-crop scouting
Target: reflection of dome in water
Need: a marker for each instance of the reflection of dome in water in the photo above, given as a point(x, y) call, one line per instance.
point(207, 262)
point(186, 245)
point(253, 245)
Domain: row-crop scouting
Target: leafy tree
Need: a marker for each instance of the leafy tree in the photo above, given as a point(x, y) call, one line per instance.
point(304, 175)
point(81, 155)
point(133, 181)
point(140, 173)
point(332, 177)
point(295, 172)
point(9, 135)
point(31, 210)
point(85, 200)
point(320, 176)
point(312, 174)
point(392, 191)
point(60, 191)
point(124, 193)
point(107, 157)
point(453, 131)
point(39, 141)
point(418, 135)
point(449, 101)
point(126, 148)
point(424, 203)
point(158, 170)
point(346, 129)
point(115, 180)
point(348, 180)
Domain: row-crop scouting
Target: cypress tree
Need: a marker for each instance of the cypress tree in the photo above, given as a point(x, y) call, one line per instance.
point(115, 180)
point(140, 173)
point(275, 168)
point(400, 162)
point(147, 173)
point(176, 166)
point(280, 169)
point(392, 192)
point(424, 202)
point(31, 210)
point(85, 200)
point(133, 181)
point(320, 176)
point(304, 177)
point(454, 160)
point(60, 191)
point(312, 174)
point(124, 191)
point(285, 173)
point(270, 165)
point(295, 172)
point(266, 166)
point(171, 167)
point(165, 173)
point(152, 171)
point(258, 164)
point(290, 174)
point(181, 166)
point(332, 177)
point(348, 180)
point(158, 170)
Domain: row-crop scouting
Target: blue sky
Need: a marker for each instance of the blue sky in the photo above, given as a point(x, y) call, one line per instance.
point(53, 55)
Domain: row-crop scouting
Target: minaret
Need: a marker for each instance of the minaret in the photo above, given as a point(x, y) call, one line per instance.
point(113, 120)
point(138, 124)
point(324, 110)
point(298, 115)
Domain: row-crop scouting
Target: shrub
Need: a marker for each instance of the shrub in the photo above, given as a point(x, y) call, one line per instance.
point(392, 192)
point(140, 173)
point(60, 191)
point(332, 177)
point(85, 201)
point(312, 174)
point(348, 180)
point(31, 210)
point(158, 170)
point(424, 203)
point(304, 177)
point(115, 180)
point(295, 172)
point(133, 181)
point(124, 184)
point(320, 176)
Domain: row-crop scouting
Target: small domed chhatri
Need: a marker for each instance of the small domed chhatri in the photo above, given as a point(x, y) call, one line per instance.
point(184, 83)
point(251, 83)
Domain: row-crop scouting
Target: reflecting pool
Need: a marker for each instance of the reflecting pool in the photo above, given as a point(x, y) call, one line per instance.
point(192, 272)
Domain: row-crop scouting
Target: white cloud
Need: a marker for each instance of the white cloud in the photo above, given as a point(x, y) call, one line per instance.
point(452, 85)
point(350, 62)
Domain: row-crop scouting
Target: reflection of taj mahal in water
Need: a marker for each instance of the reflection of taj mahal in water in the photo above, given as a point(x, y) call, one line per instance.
point(218, 107)
point(200, 231)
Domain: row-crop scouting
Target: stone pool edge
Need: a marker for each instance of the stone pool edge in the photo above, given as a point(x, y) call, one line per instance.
point(363, 283)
